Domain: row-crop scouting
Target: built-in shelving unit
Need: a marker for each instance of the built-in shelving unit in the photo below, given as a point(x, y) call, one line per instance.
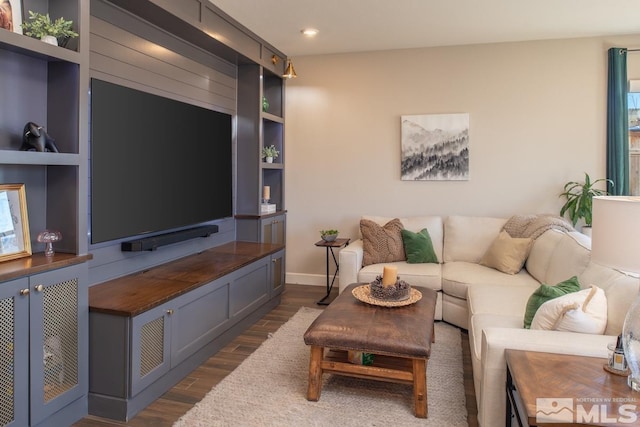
point(258, 129)
point(49, 85)
point(44, 84)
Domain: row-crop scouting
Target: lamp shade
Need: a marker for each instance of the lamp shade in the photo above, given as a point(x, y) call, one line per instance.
point(615, 240)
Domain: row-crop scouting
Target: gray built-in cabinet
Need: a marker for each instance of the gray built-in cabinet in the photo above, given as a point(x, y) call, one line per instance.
point(43, 344)
point(43, 301)
point(44, 357)
point(144, 342)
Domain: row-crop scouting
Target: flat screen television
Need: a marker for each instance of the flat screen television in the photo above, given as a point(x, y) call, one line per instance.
point(157, 164)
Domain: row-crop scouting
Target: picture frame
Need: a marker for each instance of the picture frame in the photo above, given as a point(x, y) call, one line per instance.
point(435, 147)
point(11, 15)
point(15, 241)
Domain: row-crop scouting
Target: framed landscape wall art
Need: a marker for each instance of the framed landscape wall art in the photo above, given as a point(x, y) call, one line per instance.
point(435, 147)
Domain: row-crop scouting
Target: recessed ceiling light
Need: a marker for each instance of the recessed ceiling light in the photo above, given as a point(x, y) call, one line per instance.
point(309, 32)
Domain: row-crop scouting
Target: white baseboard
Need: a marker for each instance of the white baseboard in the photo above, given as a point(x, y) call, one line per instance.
point(309, 279)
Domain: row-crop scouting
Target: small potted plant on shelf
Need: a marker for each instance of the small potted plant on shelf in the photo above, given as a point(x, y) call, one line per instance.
point(328, 235)
point(579, 204)
point(53, 32)
point(269, 153)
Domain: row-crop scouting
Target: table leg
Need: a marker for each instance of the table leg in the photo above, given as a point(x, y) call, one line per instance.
point(420, 388)
point(325, 300)
point(315, 373)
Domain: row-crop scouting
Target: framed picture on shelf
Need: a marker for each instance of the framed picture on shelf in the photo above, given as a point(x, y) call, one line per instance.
point(15, 241)
point(11, 15)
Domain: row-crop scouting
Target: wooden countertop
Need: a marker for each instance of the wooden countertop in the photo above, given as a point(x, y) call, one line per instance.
point(136, 293)
point(38, 263)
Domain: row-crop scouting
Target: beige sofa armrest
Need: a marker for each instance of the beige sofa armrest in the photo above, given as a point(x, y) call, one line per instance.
point(491, 403)
point(350, 261)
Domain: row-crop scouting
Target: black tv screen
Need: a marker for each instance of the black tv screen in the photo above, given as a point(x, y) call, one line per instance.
point(157, 164)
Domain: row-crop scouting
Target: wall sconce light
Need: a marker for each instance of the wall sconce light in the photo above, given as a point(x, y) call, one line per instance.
point(289, 72)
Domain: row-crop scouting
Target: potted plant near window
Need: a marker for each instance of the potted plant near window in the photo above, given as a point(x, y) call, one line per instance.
point(42, 27)
point(579, 203)
point(270, 153)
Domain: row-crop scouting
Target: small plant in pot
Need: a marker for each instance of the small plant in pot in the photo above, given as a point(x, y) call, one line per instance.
point(329, 235)
point(269, 153)
point(579, 204)
point(42, 27)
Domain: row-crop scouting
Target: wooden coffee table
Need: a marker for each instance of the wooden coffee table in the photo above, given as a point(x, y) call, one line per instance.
point(400, 337)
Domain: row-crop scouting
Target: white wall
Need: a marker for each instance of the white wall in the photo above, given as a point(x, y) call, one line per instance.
point(537, 120)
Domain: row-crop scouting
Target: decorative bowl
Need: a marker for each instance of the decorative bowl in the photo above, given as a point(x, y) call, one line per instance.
point(329, 237)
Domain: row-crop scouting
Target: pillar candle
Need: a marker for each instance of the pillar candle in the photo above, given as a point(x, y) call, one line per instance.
point(266, 192)
point(389, 275)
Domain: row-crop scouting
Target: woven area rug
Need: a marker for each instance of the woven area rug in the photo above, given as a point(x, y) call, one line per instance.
point(269, 389)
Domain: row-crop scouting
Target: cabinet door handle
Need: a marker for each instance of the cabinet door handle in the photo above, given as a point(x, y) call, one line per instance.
point(38, 288)
point(273, 261)
point(24, 291)
point(170, 312)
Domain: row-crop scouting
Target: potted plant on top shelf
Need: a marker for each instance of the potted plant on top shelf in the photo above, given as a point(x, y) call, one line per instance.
point(270, 153)
point(579, 204)
point(53, 32)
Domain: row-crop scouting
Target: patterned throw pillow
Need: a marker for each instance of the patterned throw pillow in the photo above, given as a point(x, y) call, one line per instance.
point(382, 243)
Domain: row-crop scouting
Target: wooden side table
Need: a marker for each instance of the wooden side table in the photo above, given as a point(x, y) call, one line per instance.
point(338, 243)
point(548, 389)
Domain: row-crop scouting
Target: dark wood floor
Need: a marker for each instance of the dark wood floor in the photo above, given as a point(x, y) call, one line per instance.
point(177, 401)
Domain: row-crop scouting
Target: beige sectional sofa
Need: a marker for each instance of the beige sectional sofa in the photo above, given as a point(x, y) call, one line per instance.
point(491, 304)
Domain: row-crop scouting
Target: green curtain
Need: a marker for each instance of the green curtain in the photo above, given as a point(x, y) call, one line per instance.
point(617, 123)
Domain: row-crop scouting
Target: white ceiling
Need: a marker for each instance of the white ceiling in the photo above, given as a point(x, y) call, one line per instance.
point(366, 25)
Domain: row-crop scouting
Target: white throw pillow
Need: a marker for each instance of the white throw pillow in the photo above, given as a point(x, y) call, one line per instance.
point(584, 311)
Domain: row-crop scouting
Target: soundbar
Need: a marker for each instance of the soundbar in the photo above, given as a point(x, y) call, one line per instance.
point(152, 243)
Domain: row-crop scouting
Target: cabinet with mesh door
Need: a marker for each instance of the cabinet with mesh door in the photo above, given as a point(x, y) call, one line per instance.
point(14, 344)
point(45, 317)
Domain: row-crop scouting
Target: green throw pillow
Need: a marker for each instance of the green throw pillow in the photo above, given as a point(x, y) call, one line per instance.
point(545, 293)
point(418, 247)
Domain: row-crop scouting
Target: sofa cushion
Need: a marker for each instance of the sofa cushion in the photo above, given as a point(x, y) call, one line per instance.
point(382, 243)
point(467, 238)
point(506, 300)
point(584, 311)
point(458, 276)
point(621, 290)
point(556, 255)
point(418, 247)
point(506, 253)
point(424, 275)
point(545, 293)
